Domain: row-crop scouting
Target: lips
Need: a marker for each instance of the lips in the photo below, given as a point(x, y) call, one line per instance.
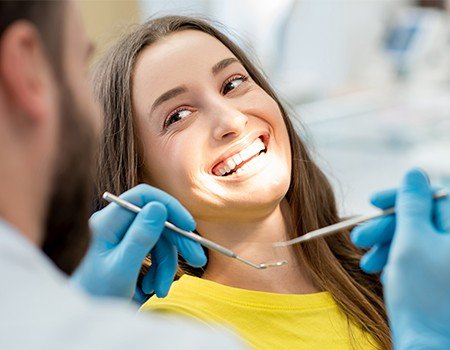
point(239, 159)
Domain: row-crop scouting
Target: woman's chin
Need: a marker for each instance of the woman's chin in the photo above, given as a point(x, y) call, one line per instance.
point(251, 204)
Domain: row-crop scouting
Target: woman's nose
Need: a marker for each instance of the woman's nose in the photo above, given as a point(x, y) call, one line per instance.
point(229, 124)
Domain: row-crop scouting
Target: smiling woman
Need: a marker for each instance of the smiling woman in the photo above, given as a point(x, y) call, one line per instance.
point(188, 112)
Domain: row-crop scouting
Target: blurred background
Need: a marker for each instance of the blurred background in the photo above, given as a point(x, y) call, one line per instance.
point(369, 80)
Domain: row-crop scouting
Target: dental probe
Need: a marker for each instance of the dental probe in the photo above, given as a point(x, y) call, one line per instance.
point(203, 241)
point(328, 230)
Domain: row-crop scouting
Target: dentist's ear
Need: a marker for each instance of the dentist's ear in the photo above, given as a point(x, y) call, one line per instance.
point(25, 73)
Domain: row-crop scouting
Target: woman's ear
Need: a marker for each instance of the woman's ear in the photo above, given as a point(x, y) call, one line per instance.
point(25, 73)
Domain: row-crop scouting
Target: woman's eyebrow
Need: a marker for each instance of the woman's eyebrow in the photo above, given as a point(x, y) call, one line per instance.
point(223, 64)
point(168, 95)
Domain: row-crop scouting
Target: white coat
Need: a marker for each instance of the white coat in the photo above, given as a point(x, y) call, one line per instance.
point(39, 309)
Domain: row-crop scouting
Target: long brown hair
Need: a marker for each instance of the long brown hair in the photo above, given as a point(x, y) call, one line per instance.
point(334, 261)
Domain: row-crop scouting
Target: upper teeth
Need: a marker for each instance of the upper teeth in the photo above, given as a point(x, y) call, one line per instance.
point(232, 162)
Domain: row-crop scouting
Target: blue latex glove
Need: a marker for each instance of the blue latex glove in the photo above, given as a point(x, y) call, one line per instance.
point(122, 239)
point(377, 234)
point(416, 277)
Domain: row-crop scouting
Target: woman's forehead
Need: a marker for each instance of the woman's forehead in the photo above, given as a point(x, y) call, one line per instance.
point(176, 59)
point(183, 49)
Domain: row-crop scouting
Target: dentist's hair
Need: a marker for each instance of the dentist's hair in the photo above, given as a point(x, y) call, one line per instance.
point(334, 261)
point(46, 16)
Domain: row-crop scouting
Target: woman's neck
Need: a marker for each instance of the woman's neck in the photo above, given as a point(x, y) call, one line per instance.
point(253, 240)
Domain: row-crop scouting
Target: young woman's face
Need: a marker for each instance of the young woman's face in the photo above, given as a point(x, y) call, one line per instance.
point(210, 135)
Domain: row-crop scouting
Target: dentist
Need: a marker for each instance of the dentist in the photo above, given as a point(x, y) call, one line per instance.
point(48, 127)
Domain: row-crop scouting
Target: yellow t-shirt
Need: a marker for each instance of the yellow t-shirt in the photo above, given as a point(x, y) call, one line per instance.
point(265, 320)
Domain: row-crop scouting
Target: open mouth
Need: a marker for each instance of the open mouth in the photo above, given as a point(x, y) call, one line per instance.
point(243, 159)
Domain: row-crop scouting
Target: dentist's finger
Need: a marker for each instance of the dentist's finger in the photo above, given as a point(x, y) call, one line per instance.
point(191, 251)
point(164, 257)
point(375, 259)
point(143, 234)
point(376, 231)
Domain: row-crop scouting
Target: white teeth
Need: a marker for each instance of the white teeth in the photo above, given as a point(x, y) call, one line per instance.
point(237, 159)
point(252, 150)
point(232, 162)
point(246, 153)
point(252, 163)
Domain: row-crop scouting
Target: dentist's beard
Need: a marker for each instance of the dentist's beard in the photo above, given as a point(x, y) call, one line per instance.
point(67, 228)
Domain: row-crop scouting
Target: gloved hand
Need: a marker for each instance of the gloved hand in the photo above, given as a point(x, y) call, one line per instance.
point(377, 234)
point(121, 240)
point(416, 277)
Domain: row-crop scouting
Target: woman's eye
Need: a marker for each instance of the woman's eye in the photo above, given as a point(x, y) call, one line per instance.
point(233, 84)
point(177, 116)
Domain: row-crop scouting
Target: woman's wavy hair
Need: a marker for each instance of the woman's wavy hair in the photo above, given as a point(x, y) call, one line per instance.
point(334, 261)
